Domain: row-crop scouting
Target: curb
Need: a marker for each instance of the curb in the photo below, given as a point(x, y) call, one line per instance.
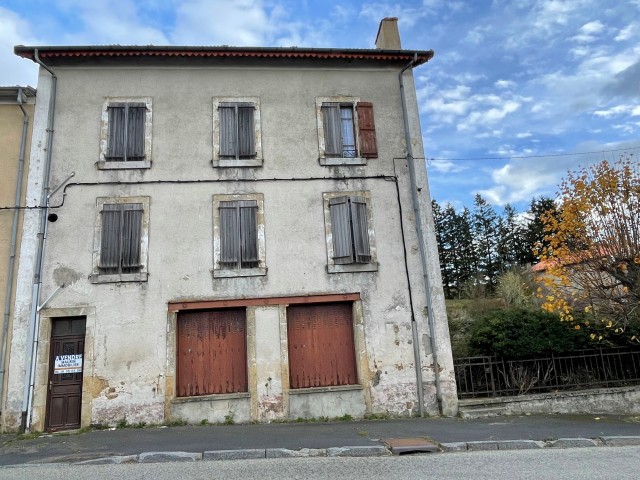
point(621, 441)
point(349, 451)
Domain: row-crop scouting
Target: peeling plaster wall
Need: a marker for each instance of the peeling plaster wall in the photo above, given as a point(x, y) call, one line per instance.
point(134, 338)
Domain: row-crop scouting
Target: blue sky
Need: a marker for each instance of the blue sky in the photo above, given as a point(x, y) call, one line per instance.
point(539, 79)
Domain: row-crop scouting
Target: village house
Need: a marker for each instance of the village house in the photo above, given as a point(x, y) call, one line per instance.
point(16, 121)
point(239, 234)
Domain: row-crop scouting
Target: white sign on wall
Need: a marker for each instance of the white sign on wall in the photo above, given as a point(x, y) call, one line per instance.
point(67, 364)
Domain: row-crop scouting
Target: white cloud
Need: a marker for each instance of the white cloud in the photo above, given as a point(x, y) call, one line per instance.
point(109, 22)
point(446, 166)
point(505, 84)
point(524, 135)
point(488, 117)
point(628, 32)
point(15, 30)
point(618, 110)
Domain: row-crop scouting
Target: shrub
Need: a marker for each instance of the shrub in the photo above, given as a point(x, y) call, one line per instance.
point(521, 333)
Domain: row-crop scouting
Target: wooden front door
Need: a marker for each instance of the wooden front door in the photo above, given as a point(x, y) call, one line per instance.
point(66, 362)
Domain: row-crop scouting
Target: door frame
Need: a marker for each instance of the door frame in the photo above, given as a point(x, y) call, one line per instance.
point(41, 384)
point(75, 338)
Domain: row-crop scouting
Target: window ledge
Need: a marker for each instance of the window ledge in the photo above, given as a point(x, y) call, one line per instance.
point(117, 278)
point(212, 397)
point(353, 268)
point(337, 388)
point(333, 161)
point(239, 272)
point(137, 164)
point(232, 162)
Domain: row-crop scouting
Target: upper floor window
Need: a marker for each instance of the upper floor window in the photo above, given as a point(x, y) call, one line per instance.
point(350, 245)
point(239, 242)
point(236, 132)
point(121, 240)
point(126, 133)
point(346, 131)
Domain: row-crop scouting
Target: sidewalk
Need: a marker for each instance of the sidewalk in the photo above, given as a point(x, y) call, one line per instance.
point(251, 441)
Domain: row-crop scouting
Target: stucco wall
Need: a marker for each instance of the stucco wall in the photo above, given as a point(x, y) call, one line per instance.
point(11, 126)
point(130, 341)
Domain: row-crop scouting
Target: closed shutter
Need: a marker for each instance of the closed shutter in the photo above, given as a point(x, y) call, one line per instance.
point(212, 352)
point(131, 230)
point(321, 349)
point(367, 130)
point(341, 231)
point(228, 131)
point(110, 244)
point(331, 127)
point(248, 233)
point(229, 234)
point(117, 132)
point(135, 131)
point(360, 229)
point(246, 131)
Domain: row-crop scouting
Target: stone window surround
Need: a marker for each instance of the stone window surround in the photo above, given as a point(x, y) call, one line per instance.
point(221, 162)
point(332, 267)
point(261, 269)
point(332, 161)
point(143, 274)
point(102, 163)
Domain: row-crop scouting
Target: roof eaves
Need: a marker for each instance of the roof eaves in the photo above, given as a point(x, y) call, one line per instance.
point(219, 51)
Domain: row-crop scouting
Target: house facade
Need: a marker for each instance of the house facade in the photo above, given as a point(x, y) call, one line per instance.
point(16, 121)
point(230, 234)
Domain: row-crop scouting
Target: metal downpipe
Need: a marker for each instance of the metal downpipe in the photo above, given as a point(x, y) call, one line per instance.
point(423, 258)
point(12, 248)
point(34, 321)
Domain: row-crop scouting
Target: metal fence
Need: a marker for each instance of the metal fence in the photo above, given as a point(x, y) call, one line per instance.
point(498, 376)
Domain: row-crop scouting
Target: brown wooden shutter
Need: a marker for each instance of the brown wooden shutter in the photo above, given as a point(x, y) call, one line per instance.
point(367, 130)
point(212, 352)
point(321, 349)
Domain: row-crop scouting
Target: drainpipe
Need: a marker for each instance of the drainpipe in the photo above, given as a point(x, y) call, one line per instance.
point(34, 320)
point(423, 258)
point(12, 248)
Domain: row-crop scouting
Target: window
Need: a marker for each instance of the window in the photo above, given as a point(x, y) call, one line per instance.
point(346, 131)
point(121, 240)
point(238, 244)
point(126, 133)
point(321, 345)
point(212, 352)
point(236, 132)
point(350, 241)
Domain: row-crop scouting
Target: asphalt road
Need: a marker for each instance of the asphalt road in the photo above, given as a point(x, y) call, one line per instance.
point(561, 464)
point(76, 447)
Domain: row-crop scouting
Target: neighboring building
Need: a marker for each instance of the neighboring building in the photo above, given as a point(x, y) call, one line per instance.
point(238, 239)
point(16, 115)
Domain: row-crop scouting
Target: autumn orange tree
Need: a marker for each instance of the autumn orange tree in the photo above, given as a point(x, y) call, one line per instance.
point(592, 256)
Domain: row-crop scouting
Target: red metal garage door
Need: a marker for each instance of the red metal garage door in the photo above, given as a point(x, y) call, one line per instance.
point(321, 351)
point(212, 352)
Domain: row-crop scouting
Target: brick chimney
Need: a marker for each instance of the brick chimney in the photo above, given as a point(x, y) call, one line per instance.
point(388, 37)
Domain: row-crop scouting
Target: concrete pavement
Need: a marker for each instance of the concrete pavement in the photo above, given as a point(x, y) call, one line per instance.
point(344, 438)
